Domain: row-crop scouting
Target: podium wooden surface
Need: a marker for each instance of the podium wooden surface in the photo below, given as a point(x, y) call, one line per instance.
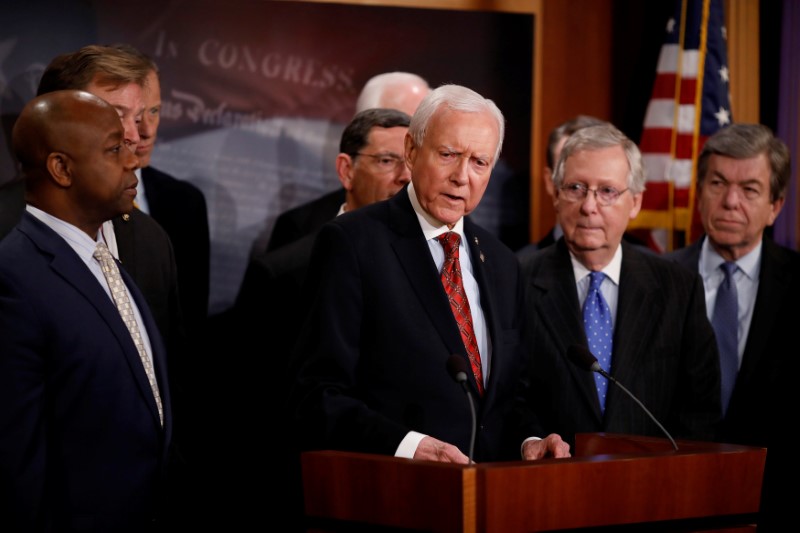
point(612, 483)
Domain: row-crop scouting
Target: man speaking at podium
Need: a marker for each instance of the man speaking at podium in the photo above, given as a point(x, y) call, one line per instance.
point(397, 287)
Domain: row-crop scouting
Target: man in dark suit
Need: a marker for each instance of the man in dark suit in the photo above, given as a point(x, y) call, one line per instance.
point(82, 445)
point(120, 76)
point(743, 174)
point(177, 205)
point(555, 141)
point(659, 343)
point(371, 359)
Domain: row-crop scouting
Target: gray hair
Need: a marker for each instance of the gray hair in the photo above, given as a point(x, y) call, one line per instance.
point(598, 137)
point(457, 98)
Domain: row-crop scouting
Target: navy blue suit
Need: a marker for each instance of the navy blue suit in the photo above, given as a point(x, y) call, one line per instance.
point(372, 354)
point(81, 446)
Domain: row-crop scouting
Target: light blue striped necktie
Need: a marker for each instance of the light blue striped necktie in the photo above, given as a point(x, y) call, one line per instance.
point(599, 332)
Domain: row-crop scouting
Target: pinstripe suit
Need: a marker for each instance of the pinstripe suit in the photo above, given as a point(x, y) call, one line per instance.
point(665, 352)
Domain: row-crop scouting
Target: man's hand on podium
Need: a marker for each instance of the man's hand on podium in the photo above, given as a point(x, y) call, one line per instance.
point(431, 449)
point(552, 446)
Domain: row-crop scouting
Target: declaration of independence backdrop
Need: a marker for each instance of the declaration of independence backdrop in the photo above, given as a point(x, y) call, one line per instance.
point(256, 94)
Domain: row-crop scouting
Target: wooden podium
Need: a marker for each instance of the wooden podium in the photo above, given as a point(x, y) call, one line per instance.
point(612, 483)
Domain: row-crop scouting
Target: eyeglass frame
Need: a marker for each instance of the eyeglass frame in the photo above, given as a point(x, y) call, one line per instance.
point(568, 188)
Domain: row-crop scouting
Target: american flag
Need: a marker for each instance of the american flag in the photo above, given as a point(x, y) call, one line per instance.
point(691, 76)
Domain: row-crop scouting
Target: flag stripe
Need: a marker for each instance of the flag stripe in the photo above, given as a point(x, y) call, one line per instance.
point(689, 102)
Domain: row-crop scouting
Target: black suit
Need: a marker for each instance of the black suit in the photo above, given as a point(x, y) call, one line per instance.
point(371, 356)
point(304, 219)
point(180, 208)
point(12, 205)
point(763, 395)
point(664, 349)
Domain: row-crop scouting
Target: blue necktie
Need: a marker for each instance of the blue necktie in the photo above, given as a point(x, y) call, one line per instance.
point(726, 328)
point(599, 332)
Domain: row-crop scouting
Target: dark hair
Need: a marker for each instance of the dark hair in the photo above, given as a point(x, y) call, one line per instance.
point(565, 129)
point(108, 66)
point(355, 135)
point(743, 141)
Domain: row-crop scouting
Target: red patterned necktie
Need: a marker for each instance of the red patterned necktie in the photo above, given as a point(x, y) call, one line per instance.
point(454, 287)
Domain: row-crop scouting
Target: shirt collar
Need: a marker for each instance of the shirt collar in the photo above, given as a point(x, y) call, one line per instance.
point(431, 227)
point(611, 270)
point(710, 261)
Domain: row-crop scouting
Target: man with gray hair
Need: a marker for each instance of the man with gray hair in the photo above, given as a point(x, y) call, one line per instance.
point(399, 288)
point(743, 174)
point(641, 316)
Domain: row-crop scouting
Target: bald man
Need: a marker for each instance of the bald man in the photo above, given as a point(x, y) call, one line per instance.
point(83, 434)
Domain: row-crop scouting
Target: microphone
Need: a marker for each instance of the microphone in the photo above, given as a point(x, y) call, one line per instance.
point(583, 358)
point(457, 368)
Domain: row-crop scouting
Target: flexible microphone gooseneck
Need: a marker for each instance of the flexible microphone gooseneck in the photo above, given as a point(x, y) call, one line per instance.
point(457, 368)
point(583, 358)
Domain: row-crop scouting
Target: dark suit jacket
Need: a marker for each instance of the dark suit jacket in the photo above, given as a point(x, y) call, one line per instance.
point(12, 205)
point(81, 447)
point(304, 219)
point(180, 208)
point(765, 389)
point(665, 352)
point(372, 353)
point(268, 304)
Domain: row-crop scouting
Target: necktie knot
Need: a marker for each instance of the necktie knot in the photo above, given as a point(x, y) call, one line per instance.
point(596, 279)
point(101, 253)
point(729, 268)
point(450, 242)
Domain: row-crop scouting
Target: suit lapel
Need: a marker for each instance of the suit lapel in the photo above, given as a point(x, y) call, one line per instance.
point(639, 309)
point(414, 256)
point(66, 264)
point(486, 277)
point(555, 283)
point(773, 286)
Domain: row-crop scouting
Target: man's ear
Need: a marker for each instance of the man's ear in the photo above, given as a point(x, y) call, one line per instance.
point(344, 169)
point(59, 166)
point(410, 150)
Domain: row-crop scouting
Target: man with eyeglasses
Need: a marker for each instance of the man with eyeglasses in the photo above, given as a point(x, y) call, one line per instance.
point(642, 316)
point(743, 175)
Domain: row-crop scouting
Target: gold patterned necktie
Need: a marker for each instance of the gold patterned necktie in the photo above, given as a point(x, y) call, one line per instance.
point(120, 296)
point(454, 287)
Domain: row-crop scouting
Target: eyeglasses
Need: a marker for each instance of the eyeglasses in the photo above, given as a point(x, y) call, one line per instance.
point(385, 162)
point(605, 196)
